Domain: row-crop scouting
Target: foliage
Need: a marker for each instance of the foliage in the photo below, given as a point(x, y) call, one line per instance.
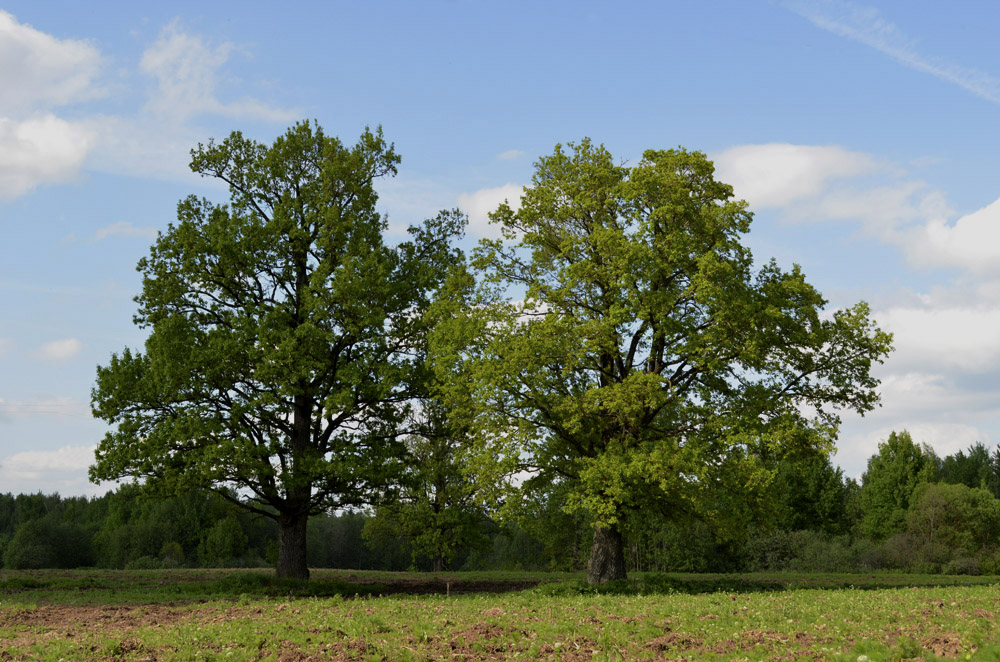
point(810, 493)
point(964, 521)
point(433, 507)
point(48, 542)
point(281, 331)
point(223, 545)
point(886, 487)
point(650, 363)
point(654, 543)
point(975, 467)
point(565, 537)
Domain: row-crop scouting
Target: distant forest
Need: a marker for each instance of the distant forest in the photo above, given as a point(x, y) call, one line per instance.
point(912, 511)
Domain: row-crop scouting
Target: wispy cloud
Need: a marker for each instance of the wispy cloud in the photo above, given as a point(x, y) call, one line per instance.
point(187, 71)
point(510, 155)
point(125, 229)
point(866, 25)
point(60, 350)
point(42, 406)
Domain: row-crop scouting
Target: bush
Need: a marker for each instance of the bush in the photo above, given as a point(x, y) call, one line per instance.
point(869, 555)
point(989, 562)
point(822, 553)
point(172, 554)
point(775, 551)
point(962, 566)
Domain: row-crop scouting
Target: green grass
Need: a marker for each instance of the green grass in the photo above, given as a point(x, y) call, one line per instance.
point(228, 615)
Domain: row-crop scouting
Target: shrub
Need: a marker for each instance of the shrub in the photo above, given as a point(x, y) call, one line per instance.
point(172, 554)
point(962, 566)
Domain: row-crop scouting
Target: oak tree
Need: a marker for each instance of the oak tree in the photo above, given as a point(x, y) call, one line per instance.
point(284, 335)
point(650, 361)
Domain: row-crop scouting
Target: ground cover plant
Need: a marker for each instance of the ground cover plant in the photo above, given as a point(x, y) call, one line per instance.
point(243, 616)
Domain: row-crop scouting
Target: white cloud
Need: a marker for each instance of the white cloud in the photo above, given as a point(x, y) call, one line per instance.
point(44, 406)
point(60, 350)
point(972, 242)
point(41, 150)
point(479, 204)
point(67, 458)
point(188, 74)
point(63, 470)
point(38, 70)
point(944, 337)
point(879, 207)
point(778, 174)
point(6, 344)
point(125, 229)
point(186, 70)
point(867, 26)
point(510, 155)
point(916, 396)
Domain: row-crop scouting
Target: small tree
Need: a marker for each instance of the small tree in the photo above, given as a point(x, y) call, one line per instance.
point(650, 361)
point(282, 332)
point(889, 483)
point(965, 520)
point(223, 544)
point(434, 506)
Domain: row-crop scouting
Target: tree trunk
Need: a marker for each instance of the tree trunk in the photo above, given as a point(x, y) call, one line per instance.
point(607, 556)
point(292, 547)
point(438, 563)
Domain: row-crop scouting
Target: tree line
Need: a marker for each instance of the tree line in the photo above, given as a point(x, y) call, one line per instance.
point(912, 510)
point(617, 359)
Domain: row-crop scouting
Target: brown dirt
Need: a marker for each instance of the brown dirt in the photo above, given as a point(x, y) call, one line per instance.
point(102, 618)
point(944, 645)
point(673, 641)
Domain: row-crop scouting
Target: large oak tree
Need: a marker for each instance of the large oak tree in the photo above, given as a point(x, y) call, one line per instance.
point(650, 363)
point(285, 337)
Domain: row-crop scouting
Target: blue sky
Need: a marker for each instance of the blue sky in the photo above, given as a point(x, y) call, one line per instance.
point(862, 134)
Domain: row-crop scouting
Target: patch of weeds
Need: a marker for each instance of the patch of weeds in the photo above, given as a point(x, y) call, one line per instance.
point(908, 649)
point(18, 582)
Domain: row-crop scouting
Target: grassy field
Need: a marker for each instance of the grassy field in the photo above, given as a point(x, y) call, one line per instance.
point(233, 615)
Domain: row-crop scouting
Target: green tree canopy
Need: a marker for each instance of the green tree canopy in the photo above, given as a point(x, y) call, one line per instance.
point(954, 518)
point(810, 493)
point(975, 467)
point(282, 334)
point(889, 483)
point(650, 361)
